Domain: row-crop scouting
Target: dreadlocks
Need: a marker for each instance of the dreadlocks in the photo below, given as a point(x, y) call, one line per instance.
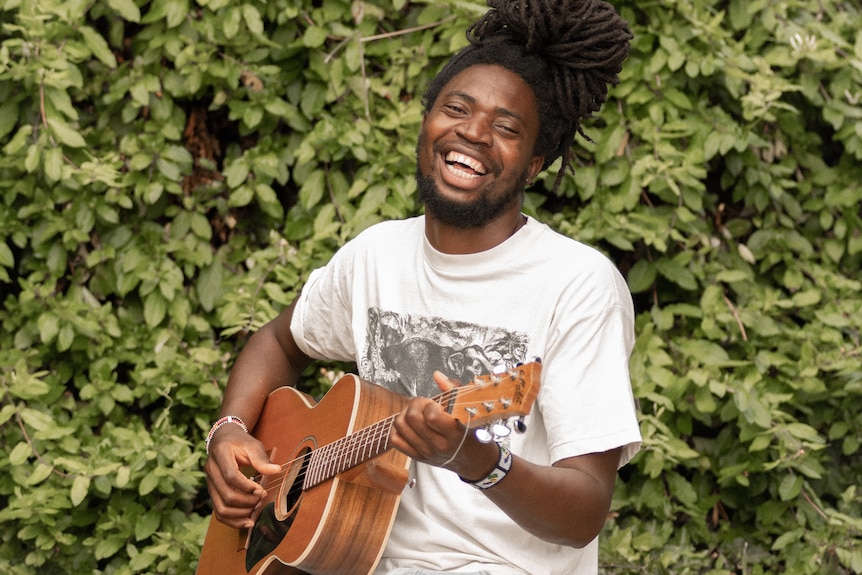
point(568, 51)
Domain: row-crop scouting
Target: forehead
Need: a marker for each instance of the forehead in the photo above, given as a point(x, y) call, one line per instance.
point(497, 87)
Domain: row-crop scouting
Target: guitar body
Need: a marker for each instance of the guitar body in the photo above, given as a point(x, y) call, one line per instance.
point(338, 526)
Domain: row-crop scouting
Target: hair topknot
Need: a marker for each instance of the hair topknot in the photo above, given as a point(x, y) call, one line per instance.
point(568, 51)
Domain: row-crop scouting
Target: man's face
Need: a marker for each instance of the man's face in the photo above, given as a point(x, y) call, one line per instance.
point(475, 150)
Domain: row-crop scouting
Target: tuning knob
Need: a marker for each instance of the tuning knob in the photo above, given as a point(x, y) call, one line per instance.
point(520, 426)
point(484, 435)
point(500, 432)
point(493, 432)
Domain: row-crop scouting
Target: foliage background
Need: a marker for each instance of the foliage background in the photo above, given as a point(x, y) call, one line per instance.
point(172, 169)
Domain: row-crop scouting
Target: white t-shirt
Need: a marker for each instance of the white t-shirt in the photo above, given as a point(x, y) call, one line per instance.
point(400, 309)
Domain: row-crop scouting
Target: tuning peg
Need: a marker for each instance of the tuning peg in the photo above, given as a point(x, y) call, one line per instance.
point(520, 426)
point(492, 432)
point(500, 432)
point(483, 435)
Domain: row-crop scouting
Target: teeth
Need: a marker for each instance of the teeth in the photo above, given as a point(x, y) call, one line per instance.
point(473, 164)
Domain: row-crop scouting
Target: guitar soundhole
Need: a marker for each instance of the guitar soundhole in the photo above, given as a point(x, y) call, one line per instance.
point(274, 521)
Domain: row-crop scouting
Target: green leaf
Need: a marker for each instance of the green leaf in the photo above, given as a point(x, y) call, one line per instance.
point(231, 21)
point(8, 117)
point(704, 352)
point(109, 546)
point(20, 453)
point(148, 483)
point(677, 273)
point(209, 284)
point(641, 276)
point(236, 173)
point(34, 157)
point(147, 524)
point(7, 258)
point(314, 37)
point(53, 164)
point(80, 489)
point(40, 473)
point(155, 308)
point(790, 487)
point(790, 538)
point(99, 46)
point(19, 140)
point(66, 134)
point(123, 476)
point(312, 190)
point(65, 337)
point(127, 9)
point(49, 326)
point(177, 12)
point(252, 19)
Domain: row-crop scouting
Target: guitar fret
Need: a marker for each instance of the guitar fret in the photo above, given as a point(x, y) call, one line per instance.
point(347, 452)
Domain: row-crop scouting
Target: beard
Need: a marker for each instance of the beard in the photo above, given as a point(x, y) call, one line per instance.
point(478, 212)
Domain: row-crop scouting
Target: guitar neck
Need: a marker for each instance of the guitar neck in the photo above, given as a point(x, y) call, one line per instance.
point(488, 398)
point(348, 452)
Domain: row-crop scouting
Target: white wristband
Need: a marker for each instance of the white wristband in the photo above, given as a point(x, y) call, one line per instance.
point(224, 421)
point(504, 464)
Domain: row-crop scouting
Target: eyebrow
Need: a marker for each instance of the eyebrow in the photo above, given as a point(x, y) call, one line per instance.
point(471, 100)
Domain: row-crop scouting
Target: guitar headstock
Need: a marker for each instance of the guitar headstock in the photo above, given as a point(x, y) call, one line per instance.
point(496, 396)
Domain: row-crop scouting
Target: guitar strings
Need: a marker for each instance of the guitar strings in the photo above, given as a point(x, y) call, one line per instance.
point(346, 445)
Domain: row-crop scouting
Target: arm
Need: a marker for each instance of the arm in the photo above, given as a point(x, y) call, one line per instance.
point(269, 360)
point(566, 503)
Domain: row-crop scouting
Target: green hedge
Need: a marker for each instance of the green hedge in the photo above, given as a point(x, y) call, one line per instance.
point(172, 170)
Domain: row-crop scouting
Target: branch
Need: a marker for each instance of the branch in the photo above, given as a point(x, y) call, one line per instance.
point(38, 455)
point(736, 316)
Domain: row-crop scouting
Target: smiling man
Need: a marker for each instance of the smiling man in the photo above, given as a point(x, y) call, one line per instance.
point(425, 304)
point(478, 140)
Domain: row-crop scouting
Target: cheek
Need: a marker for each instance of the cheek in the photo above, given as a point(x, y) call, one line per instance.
point(519, 159)
point(423, 153)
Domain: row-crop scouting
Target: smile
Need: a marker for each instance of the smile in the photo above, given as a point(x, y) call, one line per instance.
point(464, 166)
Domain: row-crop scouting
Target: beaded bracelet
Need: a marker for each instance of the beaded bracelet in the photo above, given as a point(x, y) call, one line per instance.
point(224, 421)
point(504, 464)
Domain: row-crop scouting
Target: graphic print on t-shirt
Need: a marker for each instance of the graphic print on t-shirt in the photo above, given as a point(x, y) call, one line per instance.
point(404, 350)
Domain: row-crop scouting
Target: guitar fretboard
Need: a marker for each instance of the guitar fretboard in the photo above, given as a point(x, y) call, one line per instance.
point(348, 452)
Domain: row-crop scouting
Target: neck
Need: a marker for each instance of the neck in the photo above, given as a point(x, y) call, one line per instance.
point(453, 240)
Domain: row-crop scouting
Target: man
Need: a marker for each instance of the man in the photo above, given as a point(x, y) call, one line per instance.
point(472, 284)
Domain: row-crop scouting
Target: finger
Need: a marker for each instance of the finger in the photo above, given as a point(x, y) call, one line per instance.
point(425, 432)
point(241, 484)
point(230, 457)
point(410, 428)
point(444, 383)
point(230, 506)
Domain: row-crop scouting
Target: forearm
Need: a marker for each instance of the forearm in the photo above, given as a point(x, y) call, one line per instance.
point(268, 361)
point(558, 504)
point(565, 504)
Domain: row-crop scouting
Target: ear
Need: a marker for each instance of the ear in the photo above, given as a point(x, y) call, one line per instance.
point(536, 166)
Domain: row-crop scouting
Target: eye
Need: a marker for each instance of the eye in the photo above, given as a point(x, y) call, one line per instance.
point(454, 108)
point(508, 129)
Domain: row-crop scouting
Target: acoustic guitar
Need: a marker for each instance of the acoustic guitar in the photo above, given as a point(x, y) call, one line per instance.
point(331, 508)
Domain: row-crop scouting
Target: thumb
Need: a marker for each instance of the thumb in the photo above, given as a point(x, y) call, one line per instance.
point(444, 383)
point(261, 462)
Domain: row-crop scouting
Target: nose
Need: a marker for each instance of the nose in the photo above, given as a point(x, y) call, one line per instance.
point(475, 129)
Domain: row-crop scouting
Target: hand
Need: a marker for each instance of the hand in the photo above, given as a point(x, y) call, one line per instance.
point(234, 495)
point(425, 432)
